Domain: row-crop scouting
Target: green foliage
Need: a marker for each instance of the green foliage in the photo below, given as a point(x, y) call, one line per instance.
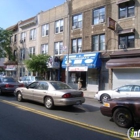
point(37, 63)
point(5, 41)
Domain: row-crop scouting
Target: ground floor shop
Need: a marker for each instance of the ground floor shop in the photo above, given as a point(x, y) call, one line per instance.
point(124, 68)
point(84, 67)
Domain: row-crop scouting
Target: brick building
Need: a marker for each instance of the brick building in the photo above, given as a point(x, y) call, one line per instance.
point(95, 31)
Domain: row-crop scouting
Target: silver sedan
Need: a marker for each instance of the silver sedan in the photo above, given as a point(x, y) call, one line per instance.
point(50, 93)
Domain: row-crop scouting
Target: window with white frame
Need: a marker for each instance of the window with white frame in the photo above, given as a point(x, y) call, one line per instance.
point(77, 45)
point(32, 50)
point(126, 9)
point(44, 49)
point(126, 41)
point(58, 47)
point(22, 54)
point(77, 21)
point(59, 26)
point(98, 15)
point(45, 30)
point(98, 42)
point(33, 34)
point(23, 37)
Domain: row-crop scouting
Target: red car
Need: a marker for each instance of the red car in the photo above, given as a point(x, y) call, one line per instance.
point(124, 111)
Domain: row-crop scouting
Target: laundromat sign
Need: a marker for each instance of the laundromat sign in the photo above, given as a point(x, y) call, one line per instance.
point(90, 60)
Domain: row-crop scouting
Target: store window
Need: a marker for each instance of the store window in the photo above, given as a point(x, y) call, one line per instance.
point(59, 26)
point(126, 41)
point(77, 21)
point(77, 45)
point(98, 42)
point(126, 9)
point(45, 30)
point(98, 15)
point(58, 47)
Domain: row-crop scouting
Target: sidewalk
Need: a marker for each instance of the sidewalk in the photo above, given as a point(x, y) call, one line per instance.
point(89, 94)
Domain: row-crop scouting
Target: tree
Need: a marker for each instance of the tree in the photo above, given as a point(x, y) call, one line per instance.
point(5, 41)
point(37, 63)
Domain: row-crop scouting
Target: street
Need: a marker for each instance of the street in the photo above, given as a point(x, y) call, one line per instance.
point(30, 120)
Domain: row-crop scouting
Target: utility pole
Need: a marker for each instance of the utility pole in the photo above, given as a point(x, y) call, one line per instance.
point(68, 37)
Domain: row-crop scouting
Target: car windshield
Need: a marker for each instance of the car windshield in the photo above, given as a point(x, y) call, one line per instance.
point(59, 85)
point(8, 79)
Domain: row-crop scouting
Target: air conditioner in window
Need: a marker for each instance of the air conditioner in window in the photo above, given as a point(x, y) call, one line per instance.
point(101, 20)
point(74, 27)
point(21, 41)
point(122, 46)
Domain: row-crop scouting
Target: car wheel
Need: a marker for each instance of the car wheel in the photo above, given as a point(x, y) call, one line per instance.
point(104, 98)
point(19, 96)
point(49, 103)
point(122, 117)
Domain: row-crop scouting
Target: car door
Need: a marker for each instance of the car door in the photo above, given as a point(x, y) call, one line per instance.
point(136, 91)
point(29, 91)
point(124, 91)
point(40, 92)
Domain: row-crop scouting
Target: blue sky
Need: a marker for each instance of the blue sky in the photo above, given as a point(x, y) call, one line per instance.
point(12, 11)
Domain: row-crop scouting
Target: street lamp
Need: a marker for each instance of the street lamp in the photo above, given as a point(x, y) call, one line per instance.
point(68, 34)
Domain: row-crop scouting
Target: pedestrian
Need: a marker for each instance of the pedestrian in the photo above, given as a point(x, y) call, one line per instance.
point(79, 83)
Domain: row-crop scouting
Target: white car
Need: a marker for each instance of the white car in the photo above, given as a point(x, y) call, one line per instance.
point(124, 91)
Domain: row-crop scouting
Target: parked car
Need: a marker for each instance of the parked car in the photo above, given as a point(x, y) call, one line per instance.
point(8, 84)
point(26, 80)
point(125, 111)
point(50, 93)
point(123, 91)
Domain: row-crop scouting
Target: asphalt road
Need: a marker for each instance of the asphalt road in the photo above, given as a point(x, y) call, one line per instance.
point(33, 121)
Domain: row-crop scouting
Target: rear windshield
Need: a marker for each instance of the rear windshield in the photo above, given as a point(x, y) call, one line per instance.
point(8, 79)
point(60, 86)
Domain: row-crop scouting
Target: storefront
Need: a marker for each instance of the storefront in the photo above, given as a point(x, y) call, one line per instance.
point(11, 70)
point(85, 66)
point(124, 68)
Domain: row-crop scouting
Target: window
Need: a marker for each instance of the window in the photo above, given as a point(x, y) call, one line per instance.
point(15, 38)
point(137, 88)
point(77, 45)
point(22, 54)
point(125, 88)
point(23, 37)
point(98, 42)
point(22, 71)
point(58, 47)
point(44, 49)
point(77, 21)
point(32, 50)
point(126, 41)
point(59, 26)
point(99, 15)
point(45, 29)
point(126, 9)
point(33, 34)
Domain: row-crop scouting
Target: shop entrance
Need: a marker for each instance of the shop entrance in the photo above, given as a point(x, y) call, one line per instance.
point(82, 76)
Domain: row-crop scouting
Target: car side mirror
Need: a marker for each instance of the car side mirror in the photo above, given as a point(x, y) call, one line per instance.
point(117, 90)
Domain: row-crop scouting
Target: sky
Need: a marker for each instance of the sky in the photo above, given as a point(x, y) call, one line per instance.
point(12, 11)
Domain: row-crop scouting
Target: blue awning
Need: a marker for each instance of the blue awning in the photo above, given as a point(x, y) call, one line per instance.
point(91, 60)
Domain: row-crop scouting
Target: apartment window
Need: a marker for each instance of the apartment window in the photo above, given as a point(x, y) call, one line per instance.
point(58, 47)
point(99, 15)
point(23, 37)
point(59, 26)
point(126, 9)
point(45, 29)
point(22, 71)
point(126, 41)
point(15, 38)
point(77, 45)
point(32, 50)
point(44, 49)
point(22, 54)
point(77, 21)
point(98, 42)
point(33, 34)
